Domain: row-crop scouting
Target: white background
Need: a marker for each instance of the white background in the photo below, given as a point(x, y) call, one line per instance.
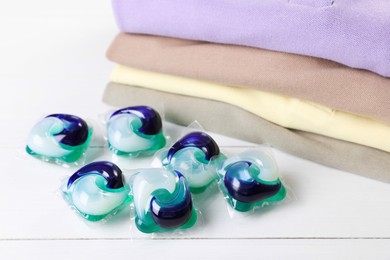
point(52, 60)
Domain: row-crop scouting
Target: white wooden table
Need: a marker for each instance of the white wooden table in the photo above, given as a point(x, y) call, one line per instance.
point(52, 59)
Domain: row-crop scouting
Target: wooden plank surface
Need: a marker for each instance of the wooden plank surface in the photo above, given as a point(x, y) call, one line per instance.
point(196, 249)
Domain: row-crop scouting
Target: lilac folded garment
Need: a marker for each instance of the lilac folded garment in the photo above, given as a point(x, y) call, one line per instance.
point(352, 32)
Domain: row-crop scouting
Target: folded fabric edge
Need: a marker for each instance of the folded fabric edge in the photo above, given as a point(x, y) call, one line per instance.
point(183, 110)
point(347, 38)
point(321, 81)
point(285, 111)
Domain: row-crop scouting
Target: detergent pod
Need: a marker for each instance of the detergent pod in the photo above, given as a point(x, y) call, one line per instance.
point(162, 201)
point(135, 130)
point(60, 138)
point(97, 190)
point(197, 157)
point(251, 179)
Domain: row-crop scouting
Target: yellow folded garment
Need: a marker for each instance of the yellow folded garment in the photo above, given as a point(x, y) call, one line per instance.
point(282, 110)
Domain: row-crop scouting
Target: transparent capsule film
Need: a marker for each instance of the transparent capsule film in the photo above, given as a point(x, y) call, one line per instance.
point(163, 205)
point(63, 139)
point(250, 181)
point(174, 133)
point(201, 178)
point(196, 155)
point(134, 132)
point(96, 192)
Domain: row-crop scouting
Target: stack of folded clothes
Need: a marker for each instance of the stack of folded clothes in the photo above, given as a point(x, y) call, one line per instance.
point(309, 77)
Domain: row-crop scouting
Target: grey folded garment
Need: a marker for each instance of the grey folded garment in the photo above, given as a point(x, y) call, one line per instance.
point(240, 124)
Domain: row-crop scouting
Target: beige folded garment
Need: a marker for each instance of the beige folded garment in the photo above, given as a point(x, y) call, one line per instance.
point(244, 125)
point(325, 82)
